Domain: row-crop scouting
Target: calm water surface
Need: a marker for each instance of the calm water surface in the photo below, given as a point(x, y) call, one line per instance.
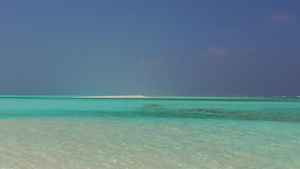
point(175, 132)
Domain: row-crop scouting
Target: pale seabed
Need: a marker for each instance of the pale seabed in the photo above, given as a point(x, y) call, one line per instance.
point(58, 132)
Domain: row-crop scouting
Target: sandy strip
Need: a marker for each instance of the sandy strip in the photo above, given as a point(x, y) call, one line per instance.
point(117, 96)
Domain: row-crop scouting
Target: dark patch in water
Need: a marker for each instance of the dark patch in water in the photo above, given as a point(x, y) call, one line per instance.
point(154, 106)
point(244, 115)
point(156, 110)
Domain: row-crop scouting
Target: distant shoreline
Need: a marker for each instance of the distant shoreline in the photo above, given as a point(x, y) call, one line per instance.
point(140, 96)
point(114, 96)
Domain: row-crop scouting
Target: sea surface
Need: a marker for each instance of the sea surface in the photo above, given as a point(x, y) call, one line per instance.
point(158, 132)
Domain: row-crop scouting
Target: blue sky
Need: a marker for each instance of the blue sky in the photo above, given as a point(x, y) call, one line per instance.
point(153, 47)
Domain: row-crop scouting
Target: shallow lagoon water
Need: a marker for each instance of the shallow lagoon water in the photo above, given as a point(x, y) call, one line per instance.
point(195, 132)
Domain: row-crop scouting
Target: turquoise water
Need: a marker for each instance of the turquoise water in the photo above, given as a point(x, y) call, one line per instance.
point(170, 132)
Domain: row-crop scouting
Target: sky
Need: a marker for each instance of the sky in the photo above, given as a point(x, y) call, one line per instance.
point(150, 47)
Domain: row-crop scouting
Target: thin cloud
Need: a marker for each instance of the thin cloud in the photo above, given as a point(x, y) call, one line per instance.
point(216, 51)
point(245, 50)
point(282, 17)
point(156, 62)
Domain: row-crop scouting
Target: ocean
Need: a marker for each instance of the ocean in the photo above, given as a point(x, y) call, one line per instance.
point(154, 132)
